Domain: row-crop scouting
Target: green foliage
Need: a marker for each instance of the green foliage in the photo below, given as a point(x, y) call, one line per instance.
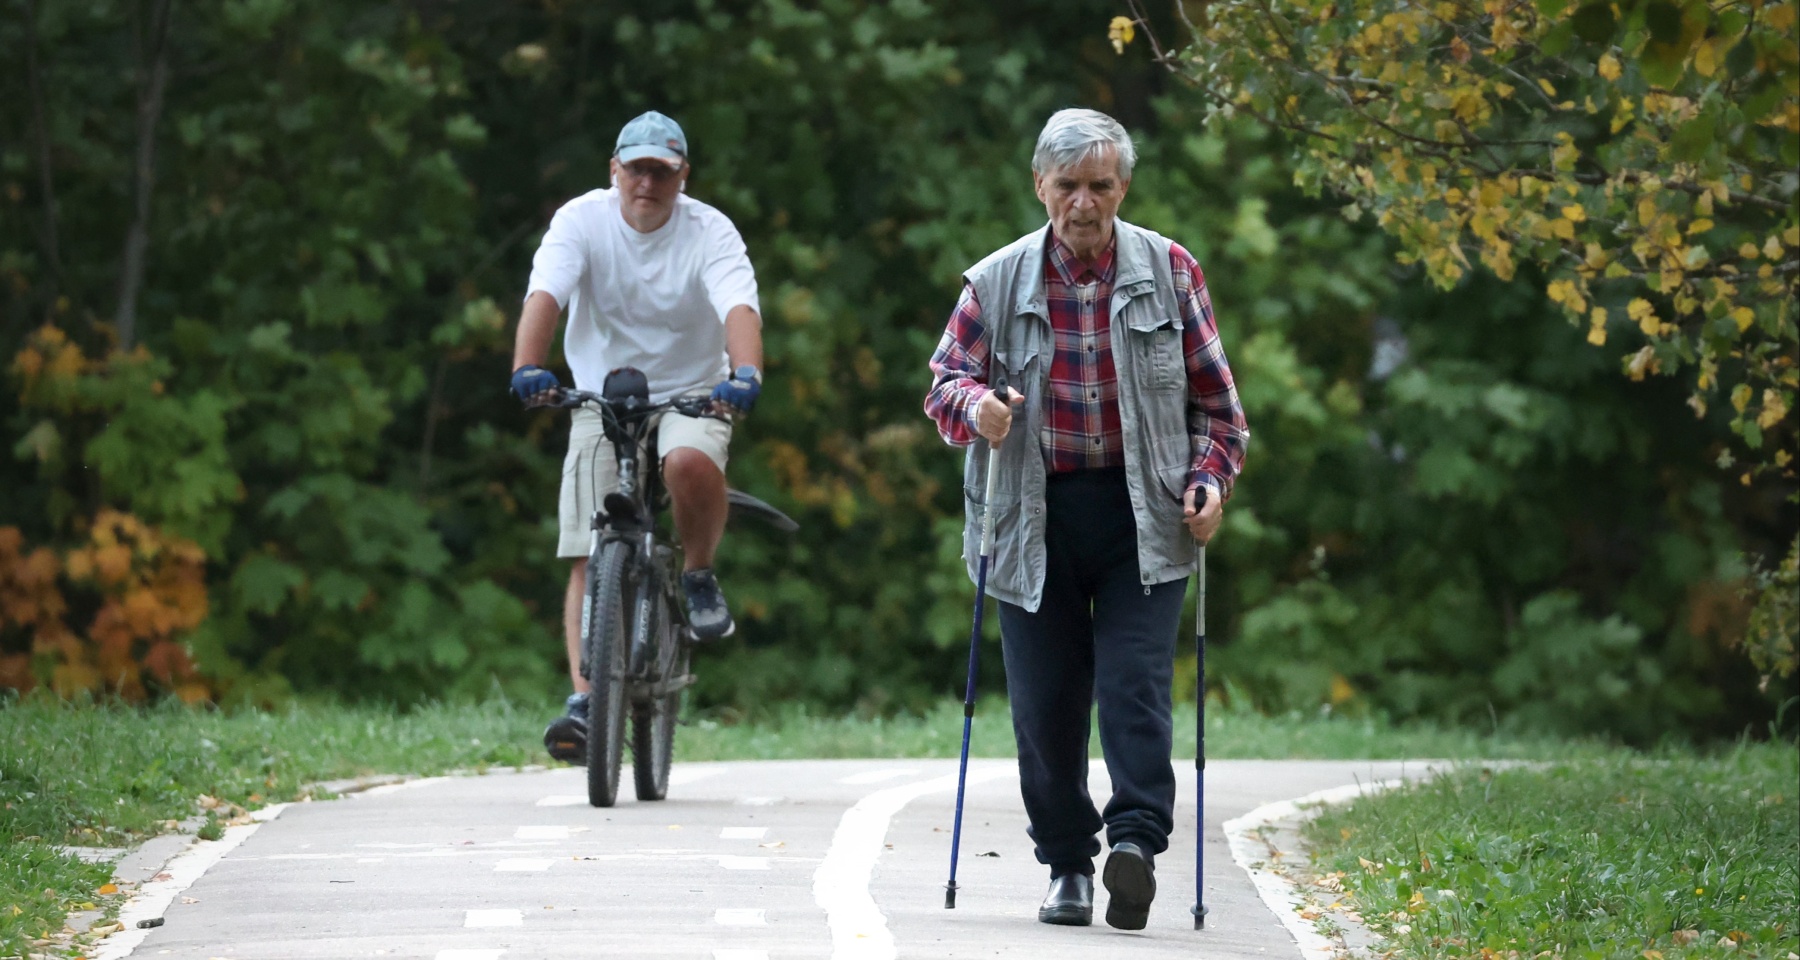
point(1773, 637)
point(1680, 856)
point(346, 205)
point(1640, 154)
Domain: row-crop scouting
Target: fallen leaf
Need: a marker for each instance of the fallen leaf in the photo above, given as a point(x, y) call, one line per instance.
point(108, 888)
point(189, 900)
point(777, 845)
point(1684, 937)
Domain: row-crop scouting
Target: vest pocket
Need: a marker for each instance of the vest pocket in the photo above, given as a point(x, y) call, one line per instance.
point(1156, 345)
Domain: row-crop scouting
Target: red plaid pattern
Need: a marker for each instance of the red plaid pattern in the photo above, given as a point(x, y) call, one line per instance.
point(1081, 413)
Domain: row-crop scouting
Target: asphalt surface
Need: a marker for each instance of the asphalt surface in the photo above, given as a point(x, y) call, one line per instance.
point(745, 861)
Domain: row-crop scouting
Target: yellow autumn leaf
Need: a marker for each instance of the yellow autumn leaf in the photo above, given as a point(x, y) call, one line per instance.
point(1747, 251)
point(1774, 410)
point(1706, 59)
point(1792, 236)
point(1546, 87)
point(1609, 66)
point(1699, 226)
point(1562, 229)
point(1597, 335)
point(1120, 32)
point(1575, 213)
point(1772, 248)
point(1740, 397)
point(1744, 317)
point(107, 889)
point(1639, 308)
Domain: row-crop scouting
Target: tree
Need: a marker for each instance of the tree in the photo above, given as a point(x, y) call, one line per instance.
point(1638, 154)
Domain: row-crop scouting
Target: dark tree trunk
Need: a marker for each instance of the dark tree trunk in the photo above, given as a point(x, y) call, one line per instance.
point(153, 76)
point(40, 129)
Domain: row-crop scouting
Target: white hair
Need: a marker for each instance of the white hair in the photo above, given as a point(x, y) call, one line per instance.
point(1074, 135)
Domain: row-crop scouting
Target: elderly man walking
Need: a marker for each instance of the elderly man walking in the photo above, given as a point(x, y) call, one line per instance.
point(1131, 438)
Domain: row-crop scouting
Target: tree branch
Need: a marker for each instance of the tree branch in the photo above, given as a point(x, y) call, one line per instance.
point(153, 76)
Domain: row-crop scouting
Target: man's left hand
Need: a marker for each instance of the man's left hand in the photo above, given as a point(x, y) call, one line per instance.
point(1204, 521)
point(740, 392)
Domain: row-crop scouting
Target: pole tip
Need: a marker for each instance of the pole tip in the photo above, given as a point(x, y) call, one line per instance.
point(950, 897)
point(1199, 913)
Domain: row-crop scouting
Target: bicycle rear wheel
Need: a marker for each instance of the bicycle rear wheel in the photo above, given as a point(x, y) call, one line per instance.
point(653, 719)
point(605, 638)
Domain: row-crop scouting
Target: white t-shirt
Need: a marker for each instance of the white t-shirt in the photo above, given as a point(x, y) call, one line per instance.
point(655, 301)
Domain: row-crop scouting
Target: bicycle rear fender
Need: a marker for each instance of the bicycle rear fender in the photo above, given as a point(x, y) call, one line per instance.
point(745, 505)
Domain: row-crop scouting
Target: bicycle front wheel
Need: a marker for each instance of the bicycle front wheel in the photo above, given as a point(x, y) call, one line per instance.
point(653, 718)
point(605, 637)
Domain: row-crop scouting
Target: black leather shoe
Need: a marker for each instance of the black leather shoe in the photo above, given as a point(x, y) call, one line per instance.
point(1130, 880)
point(1070, 901)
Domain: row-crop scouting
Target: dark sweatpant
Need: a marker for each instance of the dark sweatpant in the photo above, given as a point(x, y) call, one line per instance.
point(1099, 636)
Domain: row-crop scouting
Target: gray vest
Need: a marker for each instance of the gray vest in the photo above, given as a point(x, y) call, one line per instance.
point(1153, 395)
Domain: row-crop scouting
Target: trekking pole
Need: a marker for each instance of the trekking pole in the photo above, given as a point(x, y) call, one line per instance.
point(1199, 910)
point(981, 566)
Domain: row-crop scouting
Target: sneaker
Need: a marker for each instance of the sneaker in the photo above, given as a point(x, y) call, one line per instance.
point(566, 737)
point(706, 612)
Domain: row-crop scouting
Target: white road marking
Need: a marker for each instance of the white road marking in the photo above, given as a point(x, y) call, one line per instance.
point(729, 917)
point(494, 918)
point(841, 885)
point(680, 775)
point(562, 800)
point(760, 801)
point(744, 863)
point(522, 865)
point(368, 859)
point(469, 954)
point(155, 896)
point(743, 833)
point(877, 776)
point(541, 833)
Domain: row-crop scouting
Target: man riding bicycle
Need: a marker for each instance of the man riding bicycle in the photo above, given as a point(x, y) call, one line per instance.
point(659, 281)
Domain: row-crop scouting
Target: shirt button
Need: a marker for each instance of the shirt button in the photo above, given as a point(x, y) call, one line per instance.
point(1096, 441)
point(1094, 395)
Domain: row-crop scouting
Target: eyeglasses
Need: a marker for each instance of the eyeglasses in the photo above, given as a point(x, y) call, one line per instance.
point(654, 170)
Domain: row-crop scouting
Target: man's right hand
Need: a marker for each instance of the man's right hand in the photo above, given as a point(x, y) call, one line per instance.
point(993, 416)
point(532, 384)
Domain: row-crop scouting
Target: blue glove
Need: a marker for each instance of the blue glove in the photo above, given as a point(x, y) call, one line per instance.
point(741, 391)
point(530, 382)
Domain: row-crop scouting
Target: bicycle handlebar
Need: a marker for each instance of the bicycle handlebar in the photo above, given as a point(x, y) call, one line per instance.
point(700, 407)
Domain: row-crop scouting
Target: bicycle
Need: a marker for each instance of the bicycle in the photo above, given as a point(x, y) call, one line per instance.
point(635, 643)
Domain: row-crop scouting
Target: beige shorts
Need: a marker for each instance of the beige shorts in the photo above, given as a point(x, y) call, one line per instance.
point(590, 471)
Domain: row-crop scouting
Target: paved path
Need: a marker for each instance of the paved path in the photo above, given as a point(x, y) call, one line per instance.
point(746, 861)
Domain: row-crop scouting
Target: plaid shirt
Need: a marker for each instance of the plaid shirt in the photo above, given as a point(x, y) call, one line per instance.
point(1081, 412)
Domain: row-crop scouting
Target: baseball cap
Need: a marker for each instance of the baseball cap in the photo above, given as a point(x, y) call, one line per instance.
point(652, 135)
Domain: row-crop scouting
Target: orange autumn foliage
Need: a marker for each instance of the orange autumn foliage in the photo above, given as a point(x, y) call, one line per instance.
point(138, 590)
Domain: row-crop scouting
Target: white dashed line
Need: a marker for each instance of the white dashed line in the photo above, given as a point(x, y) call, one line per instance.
point(680, 776)
point(744, 863)
point(759, 801)
point(743, 833)
point(523, 865)
point(877, 776)
point(541, 833)
point(494, 918)
point(562, 800)
point(469, 954)
point(727, 917)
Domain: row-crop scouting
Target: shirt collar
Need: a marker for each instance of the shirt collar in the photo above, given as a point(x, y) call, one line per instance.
point(1075, 271)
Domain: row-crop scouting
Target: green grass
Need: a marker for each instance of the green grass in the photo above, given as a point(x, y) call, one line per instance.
point(111, 776)
point(1607, 858)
